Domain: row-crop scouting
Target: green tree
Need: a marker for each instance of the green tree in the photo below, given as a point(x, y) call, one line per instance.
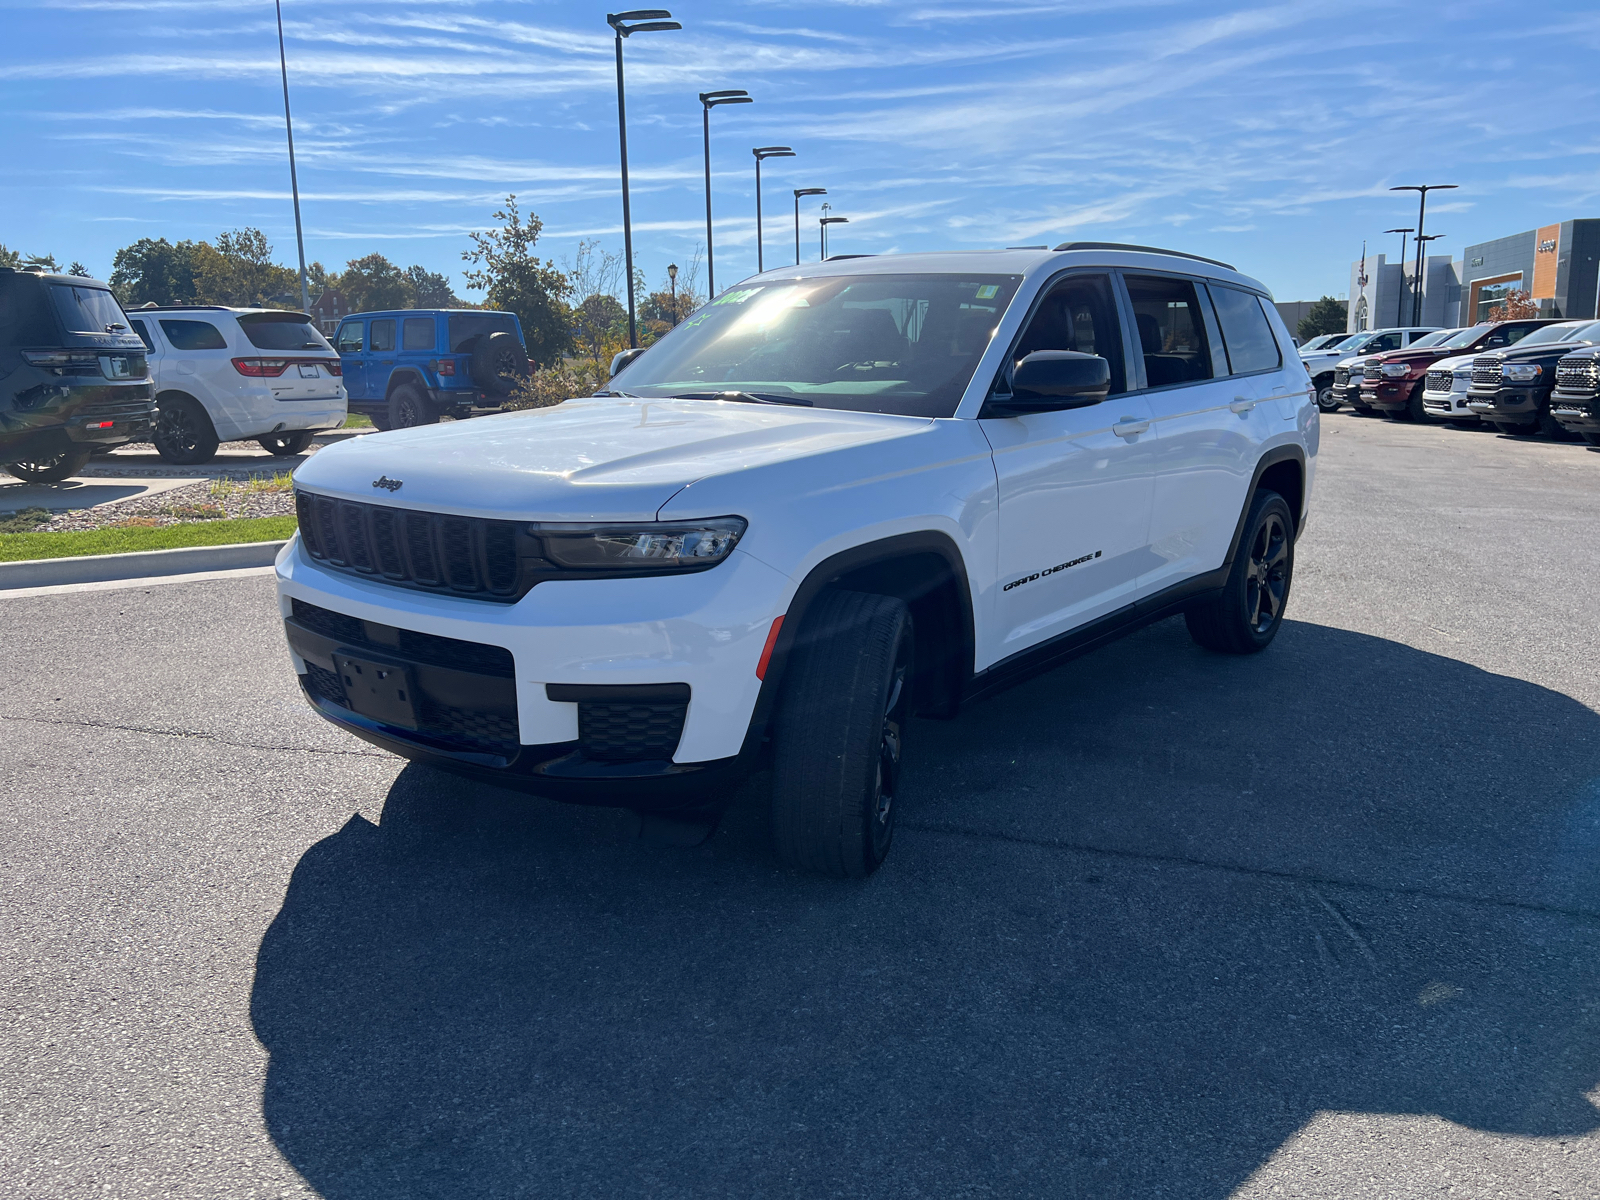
point(429, 289)
point(9, 258)
point(1325, 316)
point(373, 283)
point(154, 271)
point(518, 281)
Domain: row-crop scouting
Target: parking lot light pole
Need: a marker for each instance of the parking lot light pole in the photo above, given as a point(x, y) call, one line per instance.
point(824, 223)
point(1422, 190)
point(708, 101)
point(762, 153)
point(1400, 297)
point(1422, 255)
point(294, 183)
point(672, 282)
point(810, 191)
point(638, 20)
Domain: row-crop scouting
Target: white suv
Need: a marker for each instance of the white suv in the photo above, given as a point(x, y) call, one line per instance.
point(230, 374)
point(836, 497)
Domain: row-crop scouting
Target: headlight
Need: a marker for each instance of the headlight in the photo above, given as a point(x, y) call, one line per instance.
point(1521, 372)
point(1395, 370)
point(649, 547)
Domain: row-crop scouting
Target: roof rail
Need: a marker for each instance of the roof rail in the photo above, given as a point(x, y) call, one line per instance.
point(1027, 247)
point(1143, 250)
point(180, 307)
point(842, 257)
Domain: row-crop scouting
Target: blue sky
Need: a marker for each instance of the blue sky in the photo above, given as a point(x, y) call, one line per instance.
point(1262, 134)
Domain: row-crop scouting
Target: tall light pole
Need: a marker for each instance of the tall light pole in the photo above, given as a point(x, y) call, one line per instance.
point(708, 101)
point(762, 153)
point(294, 182)
point(820, 191)
point(638, 20)
point(1422, 257)
point(1400, 297)
point(824, 223)
point(672, 281)
point(1422, 190)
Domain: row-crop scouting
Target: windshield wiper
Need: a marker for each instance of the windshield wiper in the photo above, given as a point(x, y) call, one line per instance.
point(624, 395)
point(745, 398)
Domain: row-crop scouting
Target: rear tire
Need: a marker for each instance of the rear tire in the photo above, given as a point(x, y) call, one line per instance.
point(841, 733)
point(183, 431)
point(1245, 616)
point(286, 445)
point(380, 420)
point(408, 408)
point(51, 470)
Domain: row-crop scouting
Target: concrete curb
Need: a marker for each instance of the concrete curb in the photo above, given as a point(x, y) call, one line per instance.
point(98, 568)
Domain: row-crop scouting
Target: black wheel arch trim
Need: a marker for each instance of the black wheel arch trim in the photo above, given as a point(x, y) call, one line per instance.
point(402, 376)
point(1297, 504)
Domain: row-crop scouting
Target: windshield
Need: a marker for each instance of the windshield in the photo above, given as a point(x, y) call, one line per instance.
point(282, 331)
point(1557, 333)
point(1324, 340)
point(1439, 337)
point(1464, 337)
point(1350, 340)
point(87, 309)
point(904, 344)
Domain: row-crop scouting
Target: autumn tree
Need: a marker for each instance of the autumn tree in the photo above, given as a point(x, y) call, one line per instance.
point(1516, 305)
point(516, 280)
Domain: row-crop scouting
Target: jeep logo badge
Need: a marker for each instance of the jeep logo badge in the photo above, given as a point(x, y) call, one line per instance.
point(393, 485)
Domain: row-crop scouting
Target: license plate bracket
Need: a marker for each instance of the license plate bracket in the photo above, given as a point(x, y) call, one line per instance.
point(381, 691)
point(308, 371)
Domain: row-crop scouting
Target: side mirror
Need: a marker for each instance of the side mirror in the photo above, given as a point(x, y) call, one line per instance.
point(1052, 380)
point(622, 359)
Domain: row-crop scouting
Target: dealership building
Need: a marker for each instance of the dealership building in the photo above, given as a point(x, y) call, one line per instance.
point(1558, 265)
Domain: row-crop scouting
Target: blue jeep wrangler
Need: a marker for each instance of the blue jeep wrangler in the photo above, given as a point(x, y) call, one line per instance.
point(413, 366)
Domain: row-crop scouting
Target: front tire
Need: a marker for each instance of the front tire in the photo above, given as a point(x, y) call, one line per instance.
point(1245, 616)
point(51, 470)
point(1413, 409)
point(408, 408)
point(184, 433)
point(286, 445)
point(1325, 400)
point(840, 734)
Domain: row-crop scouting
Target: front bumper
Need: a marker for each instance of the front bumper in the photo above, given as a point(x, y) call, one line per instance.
point(1507, 403)
point(1452, 405)
point(702, 633)
point(1349, 393)
point(1578, 412)
point(1387, 393)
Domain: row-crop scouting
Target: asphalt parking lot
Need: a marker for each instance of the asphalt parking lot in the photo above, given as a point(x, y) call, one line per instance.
point(1324, 922)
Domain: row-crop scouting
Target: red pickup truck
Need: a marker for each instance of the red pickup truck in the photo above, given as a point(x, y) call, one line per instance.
point(1393, 382)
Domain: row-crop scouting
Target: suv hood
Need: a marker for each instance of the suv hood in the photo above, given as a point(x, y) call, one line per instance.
point(585, 460)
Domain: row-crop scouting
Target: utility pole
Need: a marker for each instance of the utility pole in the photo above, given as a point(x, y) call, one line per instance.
point(294, 182)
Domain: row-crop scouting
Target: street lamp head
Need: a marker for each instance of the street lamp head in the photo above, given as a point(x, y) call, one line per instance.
point(834, 221)
point(641, 20)
point(764, 152)
point(1407, 229)
point(672, 272)
point(1425, 187)
point(727, 96)
point(798, 192)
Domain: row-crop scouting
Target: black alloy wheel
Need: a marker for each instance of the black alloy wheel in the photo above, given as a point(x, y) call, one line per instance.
point(53, 469)
point(1247, 613)
point(408, 408)
point(183, 431)
point(509, 367)
point(286, 445)
point(1325, 399)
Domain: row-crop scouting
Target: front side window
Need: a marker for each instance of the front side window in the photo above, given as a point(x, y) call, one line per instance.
point(383, 335)
point(1384, 341)
point(417, 333)
point(282, 331)
point(903, 344)
point(87, 309)
point(349, 338)
point(1077, 314)
point(1172, 333)
point(1245, 331)
point(194, 335)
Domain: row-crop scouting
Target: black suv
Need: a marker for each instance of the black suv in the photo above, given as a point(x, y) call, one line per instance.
point(73, 376)
point(1575, 403)
point(1511, 387)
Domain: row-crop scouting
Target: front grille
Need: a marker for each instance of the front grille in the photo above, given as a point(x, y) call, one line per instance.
point(1441, 381)
point(451, 726)
point(1486, 370)
point(1341, 376)
point(1372, 371)
point(463, 556)
point(1577, 373)
point(627, 731)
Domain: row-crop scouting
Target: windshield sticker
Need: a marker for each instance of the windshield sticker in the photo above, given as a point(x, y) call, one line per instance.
point(738, 297)
point(987, 292)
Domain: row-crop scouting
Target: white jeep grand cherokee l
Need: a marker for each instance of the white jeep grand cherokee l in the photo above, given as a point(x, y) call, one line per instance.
point(836, 497)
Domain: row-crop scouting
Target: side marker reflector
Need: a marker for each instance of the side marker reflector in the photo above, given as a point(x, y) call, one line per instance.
point(766, 651)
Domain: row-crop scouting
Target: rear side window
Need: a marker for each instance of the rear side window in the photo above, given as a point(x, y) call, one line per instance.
point(417, 333)
point(383, 334)
point(194, 335)
point(1171, 331)
point(24, 320)
point(349, 337)
point(143, 332)
point(282, 331)
point(1245, 332)
point(87, 309)
point(464, 327)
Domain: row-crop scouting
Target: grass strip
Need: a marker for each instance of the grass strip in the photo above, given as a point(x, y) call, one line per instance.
point(17, 547)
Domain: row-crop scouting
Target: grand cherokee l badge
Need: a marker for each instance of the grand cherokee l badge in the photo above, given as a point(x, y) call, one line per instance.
point(1050, 571)
point(383, 481)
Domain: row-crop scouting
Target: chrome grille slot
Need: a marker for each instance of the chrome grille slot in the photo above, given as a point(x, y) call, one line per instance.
point(1486, 370)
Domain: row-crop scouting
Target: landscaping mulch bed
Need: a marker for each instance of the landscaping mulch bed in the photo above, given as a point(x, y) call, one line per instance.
point(210, 500)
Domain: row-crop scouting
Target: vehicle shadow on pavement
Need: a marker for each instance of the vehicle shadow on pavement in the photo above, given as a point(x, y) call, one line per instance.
point(1146, 916)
